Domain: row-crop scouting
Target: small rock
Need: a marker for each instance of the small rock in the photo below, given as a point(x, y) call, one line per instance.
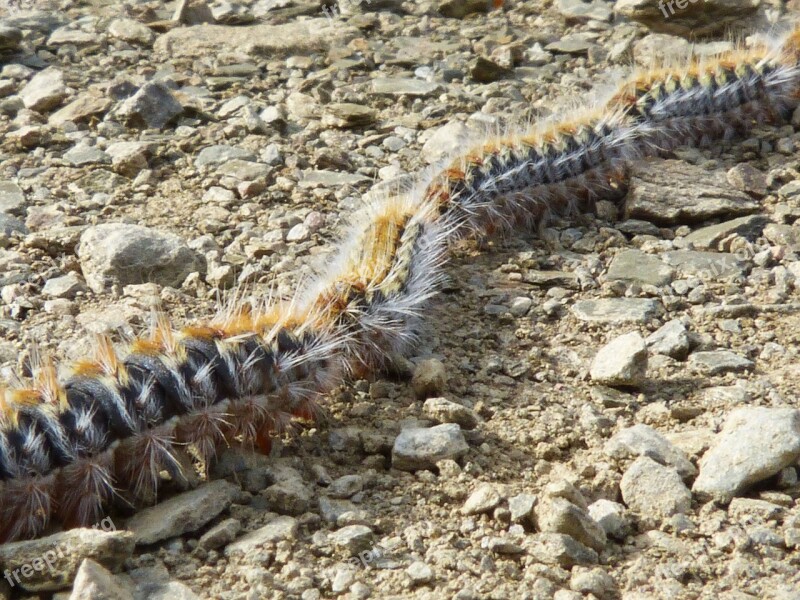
point(10, 37)
point(642, 440)
point(592, 581)
point(128, 158)
point(429, 379)
point(404, 87)
point(81, 109)
point(445, 141)
point(654, 490)
point(12, 200)
point(419, 573)
point(621, 362)
point(345, 487)
point(131, 254)
point(748, 179)
point(669, 192)
point(44, 91)
point(94, 582)
point(298, 233)
point(559, 515)
point(354, 539)
point(183, 513)
point(611, 517)
point(617, 311)
point(755, 443)
point(67, 286)
point(521, 507)
point(418, 448)
point(484, 70)
point(279, 529)
point(636, 266)
point(152, 107)
point(51, 563)
point(219, 535)
point(10, 225)
point(442, 410)
point(81, 154)
point(671, 339)
point(131, 31)
point(715, 362)
point(220, 154)
point(290, 496)
point(578, 11)
point(482, 500)
point(703, 20)
point(559, 549)
point(458, 9)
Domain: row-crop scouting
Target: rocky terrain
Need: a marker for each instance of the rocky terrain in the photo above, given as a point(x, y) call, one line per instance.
point(606, 410)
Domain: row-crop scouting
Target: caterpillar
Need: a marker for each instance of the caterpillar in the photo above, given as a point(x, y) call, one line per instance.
point(71, 447)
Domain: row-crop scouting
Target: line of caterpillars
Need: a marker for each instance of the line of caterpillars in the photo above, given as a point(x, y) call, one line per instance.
point(108, 432)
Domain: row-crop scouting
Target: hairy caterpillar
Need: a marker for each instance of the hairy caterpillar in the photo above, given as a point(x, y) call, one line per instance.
point(69, 447)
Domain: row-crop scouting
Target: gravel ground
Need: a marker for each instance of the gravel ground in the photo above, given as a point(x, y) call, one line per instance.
point(605, 410)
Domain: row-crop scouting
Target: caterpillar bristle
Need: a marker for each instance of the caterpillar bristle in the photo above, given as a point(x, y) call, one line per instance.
point(121, 423)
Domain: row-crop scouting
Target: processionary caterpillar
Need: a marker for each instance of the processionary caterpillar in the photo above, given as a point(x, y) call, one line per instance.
point(69, 447)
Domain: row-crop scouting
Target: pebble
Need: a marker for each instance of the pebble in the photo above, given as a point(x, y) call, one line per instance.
point(611, 517)
point(346, 486)
point(152, 107)
point(131, 31)
point(671, 339)
point(80, 110)
point(578, 11)
point(95, 582)
point(81, 154)
point(67, 286)
point(654, 490)
point(277, 530)
point(184, 513)
point(592, 581)
point(9, 225)
point(713, 18)
point(617, 311)
point(560, 549)
point(672, 192)
point(716, 362)
point(621, 362)
point(422, 448)
point(118, 253)
point(10, 37)
point(298, 233)
point(221, 534)
point(445, 141)
point(755, 443)
point(636, 266)
point(12, 199)
point(396, 86)
point(128, 158)
point(419, 573)
point(482, 500)
point(559, 515)
point(289, 496)
point(45, 91)
point(442, 410)
point(66, 551)
point(429, 379)
point(221, 153)
point(354, 539)
point(643, 440)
